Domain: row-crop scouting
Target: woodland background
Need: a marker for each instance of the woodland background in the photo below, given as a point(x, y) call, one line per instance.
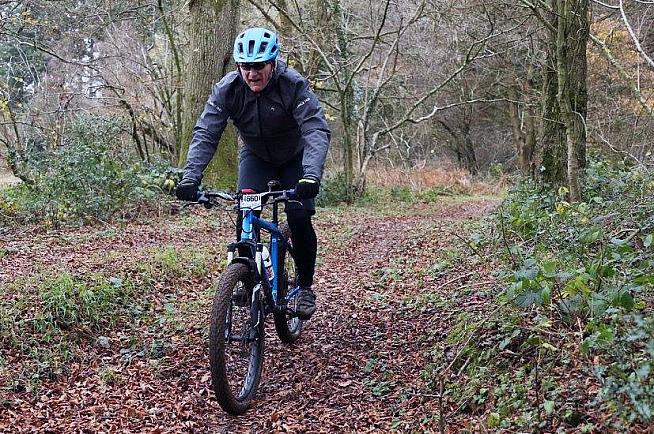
point(545, 105)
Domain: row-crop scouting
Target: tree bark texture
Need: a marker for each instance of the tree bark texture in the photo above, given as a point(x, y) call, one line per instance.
point(524, 136)
point(565, 97)
point(212, 30)
point(346, 95)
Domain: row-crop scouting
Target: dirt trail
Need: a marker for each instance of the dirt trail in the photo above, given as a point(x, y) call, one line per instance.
point(359, 366)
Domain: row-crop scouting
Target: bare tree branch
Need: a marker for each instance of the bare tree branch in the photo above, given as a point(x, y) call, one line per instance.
point(633, 36)
point(623, 74)
point(540, 16)
point(375, 41)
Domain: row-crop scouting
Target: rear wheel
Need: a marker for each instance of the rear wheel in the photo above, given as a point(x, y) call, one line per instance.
point(236, 339)
point(288, 327)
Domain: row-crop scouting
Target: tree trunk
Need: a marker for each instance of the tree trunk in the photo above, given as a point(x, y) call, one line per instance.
point(16, 157)
point(554, 152)
point(566, 97)
point(346, 95)
point(347, 143)
point(572, 36)
point(524, 134)
point(212, 29)
point(470, 157)
point(463, 148)
point(322, 19)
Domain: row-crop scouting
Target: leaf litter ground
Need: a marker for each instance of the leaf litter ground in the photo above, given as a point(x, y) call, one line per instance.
point(383, 283)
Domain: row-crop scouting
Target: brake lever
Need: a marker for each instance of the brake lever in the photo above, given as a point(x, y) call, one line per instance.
point(226, 196)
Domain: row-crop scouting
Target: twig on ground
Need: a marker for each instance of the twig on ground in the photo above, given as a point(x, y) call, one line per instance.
point(470, 246)
point(463, 367)
point(472, 285)
point(441, 407)
point(514, 262)
point(463, 276)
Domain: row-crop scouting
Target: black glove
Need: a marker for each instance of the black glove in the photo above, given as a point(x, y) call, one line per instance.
point(187, 189)
point(307, 187)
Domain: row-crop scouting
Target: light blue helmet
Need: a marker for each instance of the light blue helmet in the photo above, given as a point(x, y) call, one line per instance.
point(255, 44)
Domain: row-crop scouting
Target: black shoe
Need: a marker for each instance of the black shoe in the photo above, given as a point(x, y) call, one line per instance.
point(306, 303)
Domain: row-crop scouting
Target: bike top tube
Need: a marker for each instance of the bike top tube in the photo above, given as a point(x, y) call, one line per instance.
point(260, 223)
point(250, 220)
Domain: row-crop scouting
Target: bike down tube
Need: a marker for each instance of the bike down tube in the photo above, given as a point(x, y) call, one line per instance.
point(276, 236)
point(256, 222)
point(250, 222)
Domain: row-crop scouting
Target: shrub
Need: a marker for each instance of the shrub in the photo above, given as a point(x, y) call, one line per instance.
point(68, 302)
point(86, 178)
point(628, 381)
point(333, 190)
point(589, 266)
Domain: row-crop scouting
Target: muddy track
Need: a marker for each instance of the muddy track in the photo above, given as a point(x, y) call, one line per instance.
point(358, 366)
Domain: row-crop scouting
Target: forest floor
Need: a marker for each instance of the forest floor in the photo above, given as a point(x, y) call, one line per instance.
point(390, 281)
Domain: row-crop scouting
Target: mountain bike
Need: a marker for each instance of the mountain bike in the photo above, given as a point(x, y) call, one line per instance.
point(260, 279)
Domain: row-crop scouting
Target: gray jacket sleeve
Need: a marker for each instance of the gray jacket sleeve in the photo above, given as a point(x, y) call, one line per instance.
point(310, 117)
point(207, 131)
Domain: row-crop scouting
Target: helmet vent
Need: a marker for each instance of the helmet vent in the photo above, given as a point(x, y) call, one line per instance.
point(256, 44)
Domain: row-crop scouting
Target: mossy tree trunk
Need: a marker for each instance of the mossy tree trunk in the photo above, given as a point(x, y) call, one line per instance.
point(566, 97)
point(212, 29)
point(346, 96)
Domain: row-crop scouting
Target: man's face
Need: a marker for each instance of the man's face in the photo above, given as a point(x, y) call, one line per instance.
point(256, 75)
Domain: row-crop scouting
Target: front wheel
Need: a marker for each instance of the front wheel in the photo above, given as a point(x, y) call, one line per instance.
point(288, 327)
point(236, 339)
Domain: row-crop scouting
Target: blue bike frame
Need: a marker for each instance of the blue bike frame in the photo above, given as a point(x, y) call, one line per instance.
point(251, 222)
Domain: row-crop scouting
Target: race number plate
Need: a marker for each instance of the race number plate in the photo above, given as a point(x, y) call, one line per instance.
point(251, 201)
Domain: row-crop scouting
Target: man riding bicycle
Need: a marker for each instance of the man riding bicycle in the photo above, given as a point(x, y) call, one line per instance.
point(285, 137)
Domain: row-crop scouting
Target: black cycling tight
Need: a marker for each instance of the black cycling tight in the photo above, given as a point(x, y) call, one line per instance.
point(305, 244)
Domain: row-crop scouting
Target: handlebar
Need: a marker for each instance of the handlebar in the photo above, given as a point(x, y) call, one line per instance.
point(208, 198)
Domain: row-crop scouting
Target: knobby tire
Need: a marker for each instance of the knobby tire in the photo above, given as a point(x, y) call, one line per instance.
point(235, 394)
point(288, 328)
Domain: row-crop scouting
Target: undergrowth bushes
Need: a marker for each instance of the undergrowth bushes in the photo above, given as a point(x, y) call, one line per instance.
point(333, 190)
point(52, 315)
point(49, 318)
point(89, 177)
point(569, 344)
point(587, 271)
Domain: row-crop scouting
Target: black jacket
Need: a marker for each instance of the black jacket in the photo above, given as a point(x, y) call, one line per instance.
point(275, 124)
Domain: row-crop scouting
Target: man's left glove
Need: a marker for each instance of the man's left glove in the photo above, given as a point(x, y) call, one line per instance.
point(187, 189)
point(307, 187)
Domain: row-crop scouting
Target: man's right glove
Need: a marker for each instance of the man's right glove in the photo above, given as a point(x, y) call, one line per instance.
point(307, 187)
point(187, 189)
